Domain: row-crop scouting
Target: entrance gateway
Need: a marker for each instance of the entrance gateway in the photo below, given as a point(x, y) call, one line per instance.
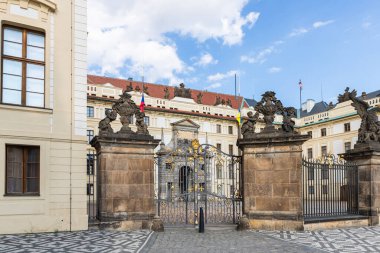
point(191, 176)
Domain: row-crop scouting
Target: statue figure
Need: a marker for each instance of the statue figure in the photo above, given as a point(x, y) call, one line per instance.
point(166, 93)
point(330, 106)
point(105, 124)
point(146, 90)
point(129, 87)
point(229, 102)
point(181, 91)
point(345, 97)
point(218, 101)
point(248, 127)
point(269, 106)
point(125, 107)
point(142, 128)
point(287, 122)
point(223, 102)
point(369, 130)
point(199, 98)
point(137, 88)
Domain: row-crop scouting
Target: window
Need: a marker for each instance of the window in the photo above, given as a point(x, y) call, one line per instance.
point(90, 135)
point(231, 149)
point(90, 111)
point(90, 164)
point(324, 151)
point(23, 73)
point(22, 170)
point(310, 153)
point(230, 130)
point(347, 127)
point(90, 189)
point(323, 132)
point(325, 172)
point(311, 189)
point(232, 191)
point(146, 120)
point(231, 171)
point(218, 129)
point(219, 172)
point(169, 190)
point(310, 173)
point(325, 190)
point(347, 146)
point(219, 146)
point(310, 133)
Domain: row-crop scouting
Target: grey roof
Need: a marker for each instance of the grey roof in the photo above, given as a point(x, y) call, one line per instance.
point(318, 108)
point(251, 102)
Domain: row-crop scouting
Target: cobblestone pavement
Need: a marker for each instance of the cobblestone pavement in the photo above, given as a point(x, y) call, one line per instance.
point(219, 240)
point(75, 242)
point(365, 239)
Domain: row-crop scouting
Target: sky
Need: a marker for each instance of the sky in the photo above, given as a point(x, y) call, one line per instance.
point(269, 44)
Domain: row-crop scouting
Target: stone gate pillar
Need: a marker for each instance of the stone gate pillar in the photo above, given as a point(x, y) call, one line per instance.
point(367, 158)
point(125, 175)
point(272, 169)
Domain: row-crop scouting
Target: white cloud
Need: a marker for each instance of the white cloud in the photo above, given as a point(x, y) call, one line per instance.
point(297, 32)
point(260, 57)
point(213, 86)
point(273, 70)
point(366, 24)
point(221, 76)
point(319, 24)
point(126, 35)
point(206, 59)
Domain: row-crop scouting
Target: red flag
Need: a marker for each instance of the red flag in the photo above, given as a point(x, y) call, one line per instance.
point(142, 103)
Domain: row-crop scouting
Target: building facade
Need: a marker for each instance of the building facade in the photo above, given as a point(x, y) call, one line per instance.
point(43, 111)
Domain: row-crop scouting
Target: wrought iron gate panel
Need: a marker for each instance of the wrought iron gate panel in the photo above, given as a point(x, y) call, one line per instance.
point(195, 176)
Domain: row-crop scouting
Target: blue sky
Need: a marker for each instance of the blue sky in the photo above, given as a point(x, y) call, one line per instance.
point(270, 44)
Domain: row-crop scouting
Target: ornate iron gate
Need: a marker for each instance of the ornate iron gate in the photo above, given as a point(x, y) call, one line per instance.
point(194, 176)
point(330, 188)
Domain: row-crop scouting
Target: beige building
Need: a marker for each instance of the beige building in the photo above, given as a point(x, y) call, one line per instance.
point(43, 112)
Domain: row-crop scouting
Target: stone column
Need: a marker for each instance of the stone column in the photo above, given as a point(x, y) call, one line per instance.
point(367, 157)
point(272, 180)
point(125, 179)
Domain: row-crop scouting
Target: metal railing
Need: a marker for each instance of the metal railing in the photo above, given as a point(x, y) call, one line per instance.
point(91, 185)
point(330, 188)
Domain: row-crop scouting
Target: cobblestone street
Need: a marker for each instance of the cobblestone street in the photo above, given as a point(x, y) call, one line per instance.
point(216, 239)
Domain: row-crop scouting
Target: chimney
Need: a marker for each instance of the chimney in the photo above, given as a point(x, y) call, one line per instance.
point(364, 95)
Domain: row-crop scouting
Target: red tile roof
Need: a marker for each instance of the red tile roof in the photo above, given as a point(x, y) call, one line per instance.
point(157, 90)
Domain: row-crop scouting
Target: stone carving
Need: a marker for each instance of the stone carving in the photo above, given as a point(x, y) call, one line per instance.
point(369, 130)
point(229, 102)
point(126, 108)
point(105, 124)
point(142, 128)
point(199, 98)
point(248, 127)
point(181, 91)
point(287, 122)
point(145, 88)
point(330, 106)
point(129, 87)
point(218, 101)
point(269, 106)
point(345, 97)
point(166, 93)
point(137, 88)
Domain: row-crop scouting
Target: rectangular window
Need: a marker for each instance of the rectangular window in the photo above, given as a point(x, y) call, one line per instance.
point(310, 173)
point(231, 171)
point(324, 151)
point(325, 189)
point(347, 127)
point(22, 170)
point(23, 73)
point(310, 133)
point(90, 135)
point(219, 173)
point(347, 146)
point(310, 153)
point(230, 130)
point(325, 172)
point(323, 132)
point(218, 129)
point(231, 149)
point(219, 146)
point(146, 120)
point(90, 189)
point(90, 111)
point(90, 164)
point(311, 189)
point(169, 191)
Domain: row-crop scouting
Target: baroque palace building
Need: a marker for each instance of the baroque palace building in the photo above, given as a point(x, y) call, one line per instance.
point(43, 111)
